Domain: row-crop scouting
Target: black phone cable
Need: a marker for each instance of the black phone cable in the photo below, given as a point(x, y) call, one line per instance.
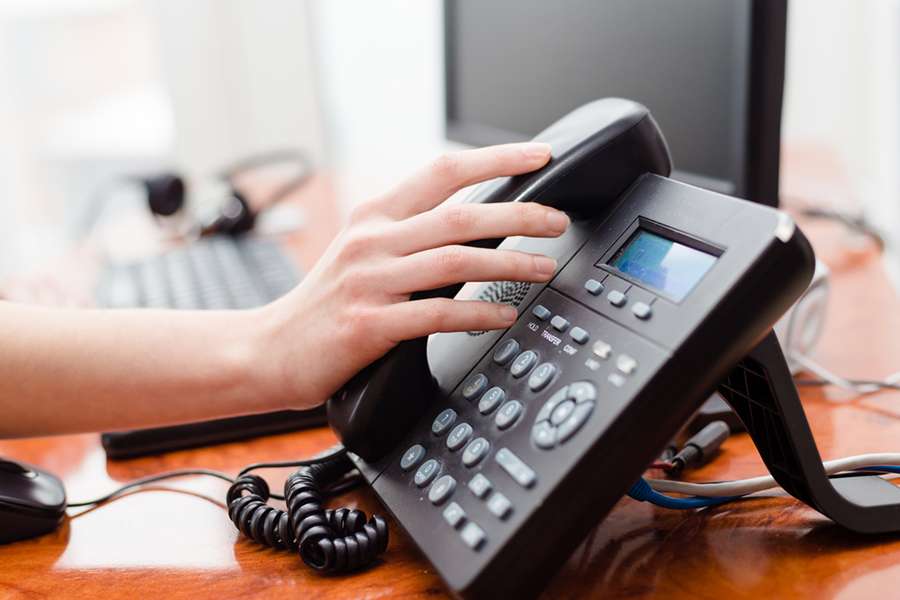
point(329, 541)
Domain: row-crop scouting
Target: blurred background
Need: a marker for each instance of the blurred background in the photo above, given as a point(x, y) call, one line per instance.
point(90, 89)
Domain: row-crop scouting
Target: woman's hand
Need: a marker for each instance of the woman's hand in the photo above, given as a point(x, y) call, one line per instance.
point(355, 304)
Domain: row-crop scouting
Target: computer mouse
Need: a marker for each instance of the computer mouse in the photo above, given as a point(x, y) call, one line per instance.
point(32, 501)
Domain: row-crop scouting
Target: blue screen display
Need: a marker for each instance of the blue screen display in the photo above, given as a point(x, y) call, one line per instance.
point(672, 268)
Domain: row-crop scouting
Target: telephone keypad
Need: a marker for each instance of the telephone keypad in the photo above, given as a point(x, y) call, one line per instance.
point(508, 414)
point(474, 386)
point(443, 422)
point(480, 485)
point(506, 352)
point(412, 457)
point(441, 489)
point(490, 400)
point(475, 451)
point(459, 436)
point(426, 472)
point(523, 363)
point(541, 376)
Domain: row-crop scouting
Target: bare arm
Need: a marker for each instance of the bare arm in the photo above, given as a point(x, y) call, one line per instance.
point(65, 370)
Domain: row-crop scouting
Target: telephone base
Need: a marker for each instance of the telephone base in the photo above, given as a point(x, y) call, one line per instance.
point(761, 391)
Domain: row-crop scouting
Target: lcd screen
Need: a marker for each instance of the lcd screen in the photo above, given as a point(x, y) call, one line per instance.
point(662, 264)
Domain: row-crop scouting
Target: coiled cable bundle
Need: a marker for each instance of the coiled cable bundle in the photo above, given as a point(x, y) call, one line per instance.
point(330, 541)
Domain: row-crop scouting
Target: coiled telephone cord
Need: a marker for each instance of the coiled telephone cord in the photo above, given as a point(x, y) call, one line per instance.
point(330, 541)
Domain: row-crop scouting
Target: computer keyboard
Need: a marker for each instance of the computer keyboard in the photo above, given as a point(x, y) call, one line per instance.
point(218, 272)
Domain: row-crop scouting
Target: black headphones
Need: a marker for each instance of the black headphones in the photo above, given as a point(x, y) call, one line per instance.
point(167, 192)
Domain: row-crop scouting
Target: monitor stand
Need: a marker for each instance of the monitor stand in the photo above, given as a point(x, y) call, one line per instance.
point(761, 391)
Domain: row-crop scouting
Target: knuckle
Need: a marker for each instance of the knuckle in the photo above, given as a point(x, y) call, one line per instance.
point(438, 313)
point(446, 168)
point(530, 213)
point(451, 260)
point(358, 242)
point(459, 218)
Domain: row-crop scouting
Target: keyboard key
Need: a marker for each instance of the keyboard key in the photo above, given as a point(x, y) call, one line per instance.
point(480, 485)
point(475, 385)
point(617, 298)
point(559, 323)
point(442, 489)
point(541, 312)
point(506, 351)
point(412, 457)
point(499, 505)
point(473, 536)
point(641, 310)
point(426, 472)
point(454, 515)
point(459, 436)
point(523, 363)
point(541, 376)
point(580, 335)
point(508, 414)
point(593, 287)
point(475, 451)
point(515, 468)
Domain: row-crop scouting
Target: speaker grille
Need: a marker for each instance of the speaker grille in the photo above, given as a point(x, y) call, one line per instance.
point(503, 292)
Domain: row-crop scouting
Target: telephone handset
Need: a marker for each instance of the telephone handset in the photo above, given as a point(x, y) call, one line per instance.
point(598, 151)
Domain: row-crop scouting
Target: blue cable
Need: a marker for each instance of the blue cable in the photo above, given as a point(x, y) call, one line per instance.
point(883, 468)
point(642, 492)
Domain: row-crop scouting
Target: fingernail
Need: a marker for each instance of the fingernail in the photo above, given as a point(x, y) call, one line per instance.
point(544, 265)
point(536, 150)
point(509, 314)
point(557, 220)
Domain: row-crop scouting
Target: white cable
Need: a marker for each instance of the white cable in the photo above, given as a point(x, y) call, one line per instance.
point(833, 378)
point(742, 487)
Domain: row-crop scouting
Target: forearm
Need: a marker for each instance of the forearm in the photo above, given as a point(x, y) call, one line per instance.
point(64, 371)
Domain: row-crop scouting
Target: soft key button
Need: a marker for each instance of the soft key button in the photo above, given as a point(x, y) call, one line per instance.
point(626, 364)
point(541, 312)
point(559, 323)
point(617, 298)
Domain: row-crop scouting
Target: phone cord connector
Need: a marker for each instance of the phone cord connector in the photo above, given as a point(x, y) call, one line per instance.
point(330, 541)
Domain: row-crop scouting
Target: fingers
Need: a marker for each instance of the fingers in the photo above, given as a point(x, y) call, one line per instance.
point(409, 320)
point(432, 269)
point(452, 172)
point(465, 222)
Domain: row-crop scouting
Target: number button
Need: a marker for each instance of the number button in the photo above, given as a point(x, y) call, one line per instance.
point(474, 386)
point(491, 400)
point(523, 363)
point(426, 472)
point(541, 376)
point(459, 436)
point(442, 489)
point(506, 351)
point(509, 413)
point(443, 421)
point(475, 451)
point(412, 457)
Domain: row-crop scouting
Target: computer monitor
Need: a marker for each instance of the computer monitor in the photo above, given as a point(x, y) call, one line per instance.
point(711, 72)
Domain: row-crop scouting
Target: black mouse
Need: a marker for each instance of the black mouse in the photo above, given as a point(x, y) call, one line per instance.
point(32, 501)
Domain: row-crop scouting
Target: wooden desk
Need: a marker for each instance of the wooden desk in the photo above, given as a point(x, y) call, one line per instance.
point(161, 543)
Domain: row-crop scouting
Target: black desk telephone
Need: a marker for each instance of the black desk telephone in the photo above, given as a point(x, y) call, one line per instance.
point(498, 451)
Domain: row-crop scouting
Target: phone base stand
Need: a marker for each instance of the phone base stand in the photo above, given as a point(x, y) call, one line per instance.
point(762, 392)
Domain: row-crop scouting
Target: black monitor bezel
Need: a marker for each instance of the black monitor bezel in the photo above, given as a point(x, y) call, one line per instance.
point(762, 139)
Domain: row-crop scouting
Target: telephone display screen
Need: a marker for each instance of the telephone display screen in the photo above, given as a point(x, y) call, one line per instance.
point(672, 268)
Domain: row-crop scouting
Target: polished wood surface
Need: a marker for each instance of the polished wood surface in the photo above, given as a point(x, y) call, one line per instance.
point(175, 540)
